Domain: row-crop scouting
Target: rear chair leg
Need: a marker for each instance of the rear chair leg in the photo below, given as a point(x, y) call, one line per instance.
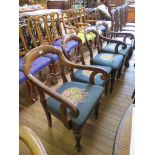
point(112, 80)
point(97, 110)
point(31, 90)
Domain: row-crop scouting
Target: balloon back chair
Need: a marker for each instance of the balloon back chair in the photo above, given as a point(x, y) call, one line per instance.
point(73, 102)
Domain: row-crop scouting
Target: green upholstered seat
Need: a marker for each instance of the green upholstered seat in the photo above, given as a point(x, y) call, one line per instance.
point(110, 48)
point(90, 36)
point(74, 90)
point(108, 59)
point(83, 75)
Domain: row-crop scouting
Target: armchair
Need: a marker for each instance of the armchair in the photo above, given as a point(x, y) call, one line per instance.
point(73, 102)
point(106, 59)
point(84, 75)
point(116, 45)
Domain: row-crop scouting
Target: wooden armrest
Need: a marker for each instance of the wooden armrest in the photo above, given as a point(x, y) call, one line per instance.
point(130, 35)
point(114, 41)
point(69, 37)
point(31, 140)
point(118, 43)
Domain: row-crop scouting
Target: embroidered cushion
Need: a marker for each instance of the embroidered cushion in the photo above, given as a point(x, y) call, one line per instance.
point(108, 59)
point(83, 75)
point(87, 98)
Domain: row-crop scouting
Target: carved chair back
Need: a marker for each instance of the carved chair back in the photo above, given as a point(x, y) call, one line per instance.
point(88, 31)
point(37, 30)
point(77, 55)
point(68, 17)
point(79, 20)
point(53, 26)
point(23, 48)
point(117, 20)
point(44, 29)
point(90, 16)
point(126, 13)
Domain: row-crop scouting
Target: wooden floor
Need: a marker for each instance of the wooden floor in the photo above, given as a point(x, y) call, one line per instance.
point(98, 135)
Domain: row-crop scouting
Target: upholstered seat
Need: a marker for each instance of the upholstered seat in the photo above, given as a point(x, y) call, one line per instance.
point(22, 77)
point(53, 57)
point(108, 59)
point(69, 46)
point(37, 65)
point(83, 75)
point(89, 37)
point(110, 48)
point(85, 96)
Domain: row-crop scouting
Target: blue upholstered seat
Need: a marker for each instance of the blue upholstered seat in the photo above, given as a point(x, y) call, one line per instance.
point(83, 75)
point(22, 77)
point(91, 99)
point(108, 59)
point(69, 45)
point(53, 57)
point(37, 65)
point(110, 48)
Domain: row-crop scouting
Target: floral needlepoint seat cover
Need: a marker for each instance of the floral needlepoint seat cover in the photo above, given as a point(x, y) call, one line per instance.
point(75, 95)
point(85, 96)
